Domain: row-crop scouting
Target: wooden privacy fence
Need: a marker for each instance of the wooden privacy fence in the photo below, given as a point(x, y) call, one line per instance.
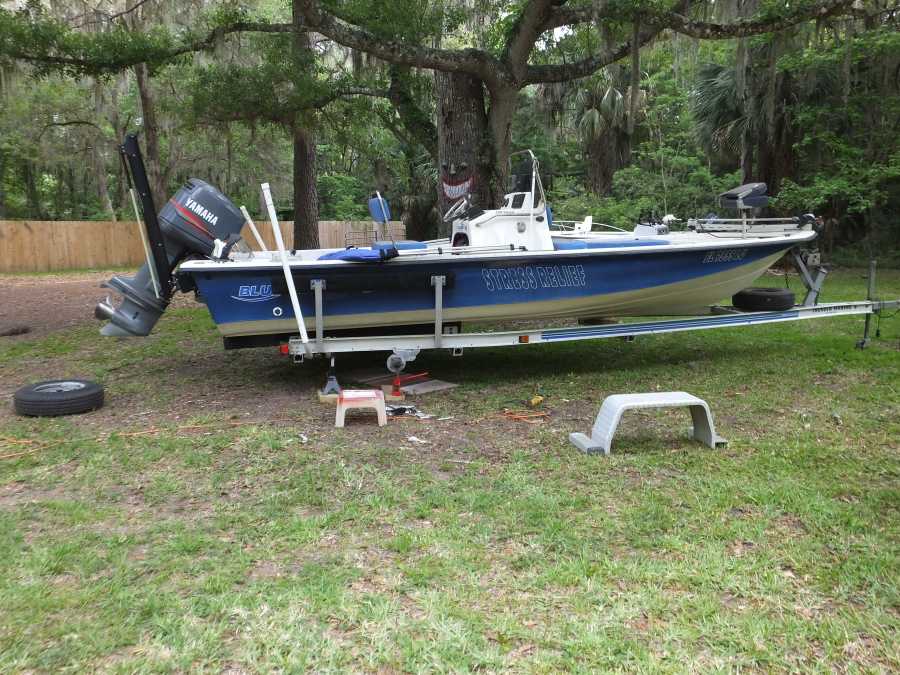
point(49, 246)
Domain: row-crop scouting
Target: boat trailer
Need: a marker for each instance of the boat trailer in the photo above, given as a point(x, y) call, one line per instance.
point(405, 348)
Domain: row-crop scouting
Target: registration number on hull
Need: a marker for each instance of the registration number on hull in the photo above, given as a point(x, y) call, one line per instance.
point(725, 255)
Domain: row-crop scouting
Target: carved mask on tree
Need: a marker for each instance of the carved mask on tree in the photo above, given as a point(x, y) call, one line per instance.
point(457, 180)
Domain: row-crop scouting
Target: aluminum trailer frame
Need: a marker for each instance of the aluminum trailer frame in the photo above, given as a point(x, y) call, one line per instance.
point(408, 346)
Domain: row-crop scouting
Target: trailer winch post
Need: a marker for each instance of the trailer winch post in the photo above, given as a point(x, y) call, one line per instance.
point(803, 261)
point(870, 296)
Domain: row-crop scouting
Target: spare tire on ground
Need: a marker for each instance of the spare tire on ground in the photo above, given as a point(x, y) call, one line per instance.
point(763, 299)
point(58, 397)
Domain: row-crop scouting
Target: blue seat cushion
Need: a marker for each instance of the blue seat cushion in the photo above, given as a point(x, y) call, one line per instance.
point(568, 244)
point(623, 244)
point(365, 255)
point(561, 244)
point(402, 245)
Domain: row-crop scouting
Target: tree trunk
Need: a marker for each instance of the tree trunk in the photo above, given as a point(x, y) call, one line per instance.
point(58, 198)
point(463, 152)
point(2, 176)
point(151, 135)
point(503, 108)
point(381, 174)
point(599, 177)
point(742, 63)
point(417, 123)
point(31, 192)
point(76, 205)
point(746, 156)
point(776, 158)
point(605, 155)
point(229, 158)
point(103, 184)
point(473, 146)
point(420, 216)
point(99, 159)
point(601, 164)
point(635, 79)
point(119, 130)
point(306, 198)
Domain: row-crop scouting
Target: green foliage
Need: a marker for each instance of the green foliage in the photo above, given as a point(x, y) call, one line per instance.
point(848, 108)
point(33, 35)
point(880, 42)
point(342, 197)
point(859, 188)
point(688, 190)
point(226, 104)
point(406, 20)
point(720, 120)
point(274, 90)
point(668, 172)
point(48, 145)
point(28, 34)
point(557, 152)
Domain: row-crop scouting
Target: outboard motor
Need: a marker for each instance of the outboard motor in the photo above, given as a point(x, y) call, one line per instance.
point(189, 225)
point(745, 197)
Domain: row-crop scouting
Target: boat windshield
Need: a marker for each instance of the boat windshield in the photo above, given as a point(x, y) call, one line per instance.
point(525, 177)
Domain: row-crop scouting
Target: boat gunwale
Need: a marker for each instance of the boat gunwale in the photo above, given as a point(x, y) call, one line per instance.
point(207, 265)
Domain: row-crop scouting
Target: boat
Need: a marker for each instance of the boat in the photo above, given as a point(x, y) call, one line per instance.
point(509, 263)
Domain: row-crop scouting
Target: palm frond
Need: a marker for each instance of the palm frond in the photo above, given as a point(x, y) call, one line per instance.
point(592, 125)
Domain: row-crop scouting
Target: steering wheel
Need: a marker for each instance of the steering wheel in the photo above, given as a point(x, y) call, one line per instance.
point(456, 209)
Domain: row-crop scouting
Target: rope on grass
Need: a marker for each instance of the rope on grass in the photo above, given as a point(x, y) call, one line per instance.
point(22, 441)
point(529, 416)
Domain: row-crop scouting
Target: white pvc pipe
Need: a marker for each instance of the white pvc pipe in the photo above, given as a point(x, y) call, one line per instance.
point(383, 214)
point(145, 241)
point(285, 265)
point(259, 240)
point(531, 214)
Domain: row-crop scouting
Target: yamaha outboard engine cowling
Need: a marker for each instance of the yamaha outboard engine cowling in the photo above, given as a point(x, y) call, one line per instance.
point(190, 224)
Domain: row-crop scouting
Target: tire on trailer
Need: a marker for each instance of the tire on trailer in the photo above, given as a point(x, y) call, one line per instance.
point(58, 397)
point(763, 299)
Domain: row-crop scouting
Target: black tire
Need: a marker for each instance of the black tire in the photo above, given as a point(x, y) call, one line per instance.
point(763, 299)
point(58, 397)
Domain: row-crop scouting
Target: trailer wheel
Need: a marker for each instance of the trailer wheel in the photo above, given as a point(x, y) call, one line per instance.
point(58, 397)
point(763, 299)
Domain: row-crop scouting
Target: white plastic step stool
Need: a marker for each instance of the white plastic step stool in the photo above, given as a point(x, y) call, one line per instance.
point(350, 399)
point(613, 406)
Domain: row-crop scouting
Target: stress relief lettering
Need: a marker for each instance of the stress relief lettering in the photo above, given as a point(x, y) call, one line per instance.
point(528, 277)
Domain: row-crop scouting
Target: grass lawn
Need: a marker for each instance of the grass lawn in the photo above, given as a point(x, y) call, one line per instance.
point(211, 518)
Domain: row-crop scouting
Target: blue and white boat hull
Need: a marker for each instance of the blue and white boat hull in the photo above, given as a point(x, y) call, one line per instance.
point(249, 298)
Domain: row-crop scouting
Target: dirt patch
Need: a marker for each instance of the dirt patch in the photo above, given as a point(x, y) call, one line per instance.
point(266, 569)
point(35, 306)
point(46, 303)
point(740, 548)
point(788, 523)
point(16, 494)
